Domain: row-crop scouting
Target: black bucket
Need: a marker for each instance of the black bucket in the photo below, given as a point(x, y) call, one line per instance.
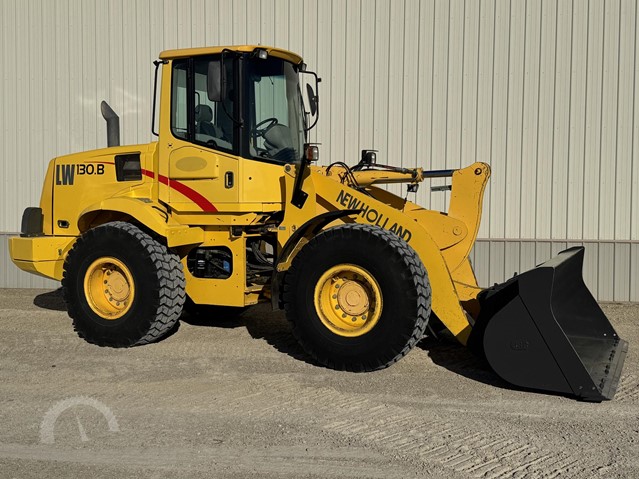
point(543, 329)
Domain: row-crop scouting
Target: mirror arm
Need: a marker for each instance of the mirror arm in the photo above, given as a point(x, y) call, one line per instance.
point(235, 121)
point(298, 198)
point(157, 64)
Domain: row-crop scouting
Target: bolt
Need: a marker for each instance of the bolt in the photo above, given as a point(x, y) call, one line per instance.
point(364, 316)
point(106, 291)
point(334, 296)
point(354, 319)
point(337, 285)
point(337, 306)
point(106, 282)
point(117, 304)
point(343, 315)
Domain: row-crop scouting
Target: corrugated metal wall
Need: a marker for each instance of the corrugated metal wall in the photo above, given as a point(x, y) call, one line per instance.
point(543, 90)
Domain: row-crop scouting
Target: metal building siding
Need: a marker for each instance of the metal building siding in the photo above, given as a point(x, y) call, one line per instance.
point(543, 90)
point(610, 267)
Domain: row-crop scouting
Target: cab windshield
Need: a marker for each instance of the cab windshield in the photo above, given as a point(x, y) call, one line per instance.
point(275, 115)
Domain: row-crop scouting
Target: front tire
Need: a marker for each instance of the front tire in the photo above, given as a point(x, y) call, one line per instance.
point(358, 298)
point(122, 287)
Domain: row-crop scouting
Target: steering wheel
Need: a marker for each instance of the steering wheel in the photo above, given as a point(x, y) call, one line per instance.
point(260, 128)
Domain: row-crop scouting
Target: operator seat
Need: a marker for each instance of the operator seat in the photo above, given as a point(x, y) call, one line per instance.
point(203, 117)
point(277, 140)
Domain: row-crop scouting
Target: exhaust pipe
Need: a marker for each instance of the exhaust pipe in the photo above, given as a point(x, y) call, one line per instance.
point(113, 124)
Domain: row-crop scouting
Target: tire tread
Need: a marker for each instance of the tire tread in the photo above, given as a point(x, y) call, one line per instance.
point(401, 253)
point(168, 270)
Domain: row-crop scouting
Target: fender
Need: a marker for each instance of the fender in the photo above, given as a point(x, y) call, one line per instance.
point(147, 212)
point(312, 226)
point(292, 246)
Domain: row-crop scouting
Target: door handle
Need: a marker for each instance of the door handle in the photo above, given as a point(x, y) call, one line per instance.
point(228, 180)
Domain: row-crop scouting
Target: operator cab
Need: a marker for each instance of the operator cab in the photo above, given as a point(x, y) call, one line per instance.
point(244, 103)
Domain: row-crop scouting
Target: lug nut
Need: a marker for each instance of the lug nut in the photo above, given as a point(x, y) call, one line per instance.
point(343, 315)
point(337, 306)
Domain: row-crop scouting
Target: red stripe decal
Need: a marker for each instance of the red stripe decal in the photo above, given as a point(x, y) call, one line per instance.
point(181, 188)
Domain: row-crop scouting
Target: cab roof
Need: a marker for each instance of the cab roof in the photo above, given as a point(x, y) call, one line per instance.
point(190, 52)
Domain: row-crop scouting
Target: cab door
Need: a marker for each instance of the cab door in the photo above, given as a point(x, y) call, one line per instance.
point(199, 163)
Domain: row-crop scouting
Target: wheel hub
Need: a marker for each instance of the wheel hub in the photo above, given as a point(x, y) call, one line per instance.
point(348, 300)
point(109, 288)
point(117, 286)
point(353, 298)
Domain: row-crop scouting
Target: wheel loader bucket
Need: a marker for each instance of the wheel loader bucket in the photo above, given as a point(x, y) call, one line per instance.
point(543, 329)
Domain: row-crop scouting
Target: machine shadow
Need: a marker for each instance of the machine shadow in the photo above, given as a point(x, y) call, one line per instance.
point(446, 352)
point(273, 328)
point(211, 321)
point(51, 300)
point(260, 322)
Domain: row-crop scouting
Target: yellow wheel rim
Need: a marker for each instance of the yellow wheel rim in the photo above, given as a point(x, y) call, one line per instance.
point(348, 300)
point(109, 288)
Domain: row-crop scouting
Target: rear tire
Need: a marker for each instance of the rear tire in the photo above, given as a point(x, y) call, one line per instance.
point(122, 287)
point(381, 310)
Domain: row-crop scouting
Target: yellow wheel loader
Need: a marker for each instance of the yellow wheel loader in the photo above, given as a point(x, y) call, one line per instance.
point(227, 208)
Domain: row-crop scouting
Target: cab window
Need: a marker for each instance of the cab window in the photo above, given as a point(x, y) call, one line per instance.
point(275, 111)
point(194, 117)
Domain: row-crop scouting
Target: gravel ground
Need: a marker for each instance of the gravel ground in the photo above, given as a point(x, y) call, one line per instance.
point(238, 398)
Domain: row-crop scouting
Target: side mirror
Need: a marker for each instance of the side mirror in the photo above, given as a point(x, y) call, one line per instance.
point(214, 82)
point(312, 99)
